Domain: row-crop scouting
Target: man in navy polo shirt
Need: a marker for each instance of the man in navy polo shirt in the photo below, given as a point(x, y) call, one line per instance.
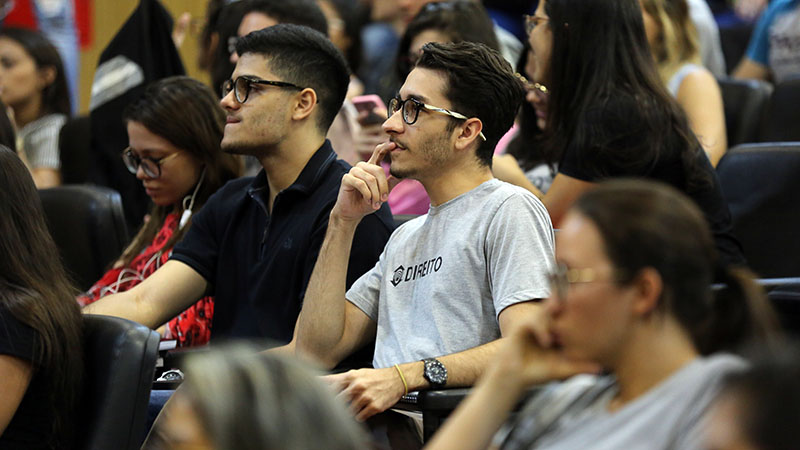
point(254, 244)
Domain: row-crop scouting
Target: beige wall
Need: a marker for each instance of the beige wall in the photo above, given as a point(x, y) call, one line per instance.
point(110, 15)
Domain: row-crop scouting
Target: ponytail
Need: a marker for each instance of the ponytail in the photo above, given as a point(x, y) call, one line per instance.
point(739, 313)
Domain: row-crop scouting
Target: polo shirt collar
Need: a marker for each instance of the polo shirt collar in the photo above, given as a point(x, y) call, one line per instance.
point(309, 177)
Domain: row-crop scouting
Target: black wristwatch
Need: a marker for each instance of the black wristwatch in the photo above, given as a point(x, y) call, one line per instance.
point(435, 372)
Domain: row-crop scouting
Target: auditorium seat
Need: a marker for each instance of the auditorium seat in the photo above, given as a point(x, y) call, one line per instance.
point(744, 102)
point(761, 185)
point(120, 358)
point(734, 40)
point(781, 121)
point(88, 226)
point(74, 147)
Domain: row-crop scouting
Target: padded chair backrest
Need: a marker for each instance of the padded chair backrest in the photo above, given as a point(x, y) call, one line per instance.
point(761, 183)
point(88, 226)
point(781, 121)
point(744, 102)
point(120, 362)
point(734, 40)
point(74, 147)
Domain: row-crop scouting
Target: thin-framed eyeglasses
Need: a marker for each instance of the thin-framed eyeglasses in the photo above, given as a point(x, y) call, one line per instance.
point(412, 106)
point(242, 85)
point(532, 22)
point(562, 276)
point(150, 166)
point(530, 86)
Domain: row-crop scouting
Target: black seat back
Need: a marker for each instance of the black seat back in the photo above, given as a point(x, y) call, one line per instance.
point(88, 226)
point(120, 362)
point(761, 183)
point(744, 102)
point(781, 121)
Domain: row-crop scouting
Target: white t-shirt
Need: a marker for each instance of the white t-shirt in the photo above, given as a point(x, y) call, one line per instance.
point(443, 278)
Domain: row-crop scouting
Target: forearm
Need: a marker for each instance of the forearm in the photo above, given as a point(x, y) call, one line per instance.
point(45, 178)
point(321, 324)
point(125, 304)
point(463, 368)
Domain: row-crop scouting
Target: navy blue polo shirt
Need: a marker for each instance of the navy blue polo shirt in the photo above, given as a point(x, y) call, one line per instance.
point(258, 264)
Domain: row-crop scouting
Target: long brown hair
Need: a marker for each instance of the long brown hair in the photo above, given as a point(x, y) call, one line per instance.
point(187, 114)
point(648, 224)
point(35, 289)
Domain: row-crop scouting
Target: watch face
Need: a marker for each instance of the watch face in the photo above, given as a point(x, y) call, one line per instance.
point(435, 372)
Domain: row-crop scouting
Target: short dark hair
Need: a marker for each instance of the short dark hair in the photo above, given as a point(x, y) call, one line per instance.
point(298, 12)
point(480, 83)
point(461, 20)
point(306, 58)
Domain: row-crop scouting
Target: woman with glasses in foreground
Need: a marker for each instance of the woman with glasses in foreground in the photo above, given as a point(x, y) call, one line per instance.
point(631, 302)
point(174, 132)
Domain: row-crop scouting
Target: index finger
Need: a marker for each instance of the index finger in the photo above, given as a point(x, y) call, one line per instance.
point(380, 152)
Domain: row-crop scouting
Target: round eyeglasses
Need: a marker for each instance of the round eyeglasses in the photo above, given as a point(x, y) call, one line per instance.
point(150, 166)
point(412, 106)
point(561, 277)
point(241, 86)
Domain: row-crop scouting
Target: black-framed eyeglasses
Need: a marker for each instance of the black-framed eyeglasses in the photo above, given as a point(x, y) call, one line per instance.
point(562, 276)
point(241, 86)
point(150, 166)
point(532, 22)
point(412, 106)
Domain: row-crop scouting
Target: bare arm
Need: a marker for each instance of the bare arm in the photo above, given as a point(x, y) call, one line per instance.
point(524, 359)
point(329, 327)
point(16, 374)
point(163, 295)
point(45, 178)
point(371, 391)
point(701, 99)
point(562, 194)
point(749, 69)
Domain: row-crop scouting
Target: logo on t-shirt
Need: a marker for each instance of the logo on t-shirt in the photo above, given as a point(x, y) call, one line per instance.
point(420, 270)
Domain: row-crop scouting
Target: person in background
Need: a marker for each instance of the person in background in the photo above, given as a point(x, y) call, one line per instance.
point(674, 45)
point(773, 53)
point(178, 159)
point(33, 84)
point(758, 407)
point(708, 37)
point(41, 356)
point(520, 157)
point(236, 398)
point(632, 305)
point(621, 121)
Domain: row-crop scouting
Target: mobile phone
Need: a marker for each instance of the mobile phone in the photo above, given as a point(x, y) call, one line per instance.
point(369, 103)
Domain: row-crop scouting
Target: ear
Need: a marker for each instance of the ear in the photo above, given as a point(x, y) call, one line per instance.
point(47, 75)
point(648, 287)
point(305, 103)
point(470, 133)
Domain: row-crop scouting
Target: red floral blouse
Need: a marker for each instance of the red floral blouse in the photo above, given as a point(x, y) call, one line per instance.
point(191, 327)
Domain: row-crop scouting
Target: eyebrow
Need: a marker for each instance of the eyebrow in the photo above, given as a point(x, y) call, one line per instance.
point(417, 97)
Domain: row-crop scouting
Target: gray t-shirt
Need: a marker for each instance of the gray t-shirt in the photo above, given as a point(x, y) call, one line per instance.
point(39, 140)
point(574, 414)
point(444, 277)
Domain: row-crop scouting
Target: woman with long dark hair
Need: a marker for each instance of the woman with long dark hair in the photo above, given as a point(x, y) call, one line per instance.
point(609, 114)
point(631, 303)
point(41, 357)
point(174, 131)
point(33, 84)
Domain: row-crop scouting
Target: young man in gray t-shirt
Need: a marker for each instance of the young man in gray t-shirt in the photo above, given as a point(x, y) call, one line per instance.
point(453, 281)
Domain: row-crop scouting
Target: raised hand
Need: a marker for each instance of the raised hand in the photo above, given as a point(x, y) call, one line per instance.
point(365, 188)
